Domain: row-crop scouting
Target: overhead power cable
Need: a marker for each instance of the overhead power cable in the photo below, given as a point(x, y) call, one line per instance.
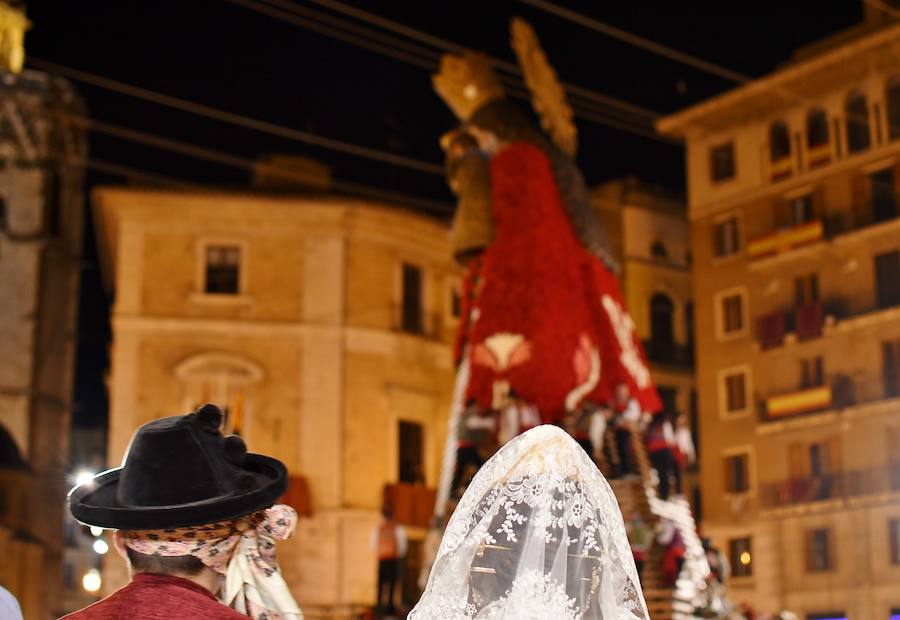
point(228, 159)
point(586, 104)
point(639, 41)
point(247, 122)
point(445, 45)
point(688, 59)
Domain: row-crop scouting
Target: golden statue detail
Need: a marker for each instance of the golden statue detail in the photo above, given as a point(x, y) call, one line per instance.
point(13, 25)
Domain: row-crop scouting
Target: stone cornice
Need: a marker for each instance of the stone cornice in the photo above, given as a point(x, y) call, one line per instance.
point(796, 84)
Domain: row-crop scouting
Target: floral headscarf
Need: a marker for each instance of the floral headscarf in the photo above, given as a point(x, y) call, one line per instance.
point(242, 550)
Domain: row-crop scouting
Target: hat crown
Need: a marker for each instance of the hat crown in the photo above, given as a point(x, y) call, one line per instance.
point(177, 460)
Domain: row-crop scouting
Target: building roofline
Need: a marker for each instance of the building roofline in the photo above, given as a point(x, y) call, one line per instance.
point(676, 124)
point(105, 221)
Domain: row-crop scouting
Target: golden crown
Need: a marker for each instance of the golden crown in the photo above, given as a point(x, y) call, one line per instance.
point(466, 83)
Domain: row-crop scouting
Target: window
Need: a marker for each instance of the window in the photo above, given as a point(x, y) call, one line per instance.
point(812, 372)
point(732, 314)
point(227, 381)
point(661, 331)
point(892, 96)
point(806, 289)
point(735, 392)
point(722, 162)
point(725, 237)
point(894, 538)
point(856, 111)
point(887, 279)
point(411, 310)
point(890, 367)
point(411, 452)
point(800, 210)
point(817, 140)
point(737, 474)
point(779, 142)
point(881, 190)
point(819, 554)
point(223, 265)
point(741, 557)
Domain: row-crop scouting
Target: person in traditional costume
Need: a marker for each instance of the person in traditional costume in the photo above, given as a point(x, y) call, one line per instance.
point(195, 515)
point(537, 535)
point(543, 317)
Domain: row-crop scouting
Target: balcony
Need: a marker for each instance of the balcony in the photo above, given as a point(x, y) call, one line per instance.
point(844, 486)
point(805, 321)
point(837, 393)
point(781, 168)
point(411, 504)
point(785, 240)
point(430, 325)
point(669, 353)
point(797, 402)
point(802, 490)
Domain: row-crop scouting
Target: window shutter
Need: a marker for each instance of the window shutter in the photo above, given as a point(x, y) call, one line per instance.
point(835, 454)
point(860, 195)
point(797, 465)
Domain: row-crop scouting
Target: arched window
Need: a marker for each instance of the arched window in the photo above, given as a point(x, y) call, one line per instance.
point(892, 98)
point(224, 379)
point(780, 150)
point(818, 144)
point(856, 111)
point(661, 333)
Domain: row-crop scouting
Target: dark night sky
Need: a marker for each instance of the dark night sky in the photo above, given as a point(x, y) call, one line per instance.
point(228, 57)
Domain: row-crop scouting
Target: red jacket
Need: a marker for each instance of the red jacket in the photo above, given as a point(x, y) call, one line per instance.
point(158, 597)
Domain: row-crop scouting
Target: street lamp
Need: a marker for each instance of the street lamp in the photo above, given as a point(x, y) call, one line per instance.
point(100, 546)
point(91, 580)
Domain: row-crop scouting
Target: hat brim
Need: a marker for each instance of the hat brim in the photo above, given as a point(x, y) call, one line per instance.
point(95, 502)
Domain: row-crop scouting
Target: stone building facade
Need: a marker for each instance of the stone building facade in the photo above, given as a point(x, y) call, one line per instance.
point(795, 232)
point(322, 324)
point(41, 183)
point(648, 233)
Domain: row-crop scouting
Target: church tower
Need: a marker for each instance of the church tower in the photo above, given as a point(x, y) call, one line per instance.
point(42, 151)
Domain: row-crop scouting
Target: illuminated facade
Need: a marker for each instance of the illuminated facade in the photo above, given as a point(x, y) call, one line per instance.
point(795, 233)
point(322, 324)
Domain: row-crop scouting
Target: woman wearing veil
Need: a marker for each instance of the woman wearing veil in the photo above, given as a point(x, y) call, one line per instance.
point(538, 535)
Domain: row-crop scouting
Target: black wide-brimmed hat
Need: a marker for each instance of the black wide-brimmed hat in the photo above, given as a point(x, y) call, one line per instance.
point(180, 471)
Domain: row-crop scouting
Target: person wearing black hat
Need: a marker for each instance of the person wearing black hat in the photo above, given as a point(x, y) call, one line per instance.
point(194, 515)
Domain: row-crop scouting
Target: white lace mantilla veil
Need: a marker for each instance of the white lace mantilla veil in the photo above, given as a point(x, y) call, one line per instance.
point(538, 535)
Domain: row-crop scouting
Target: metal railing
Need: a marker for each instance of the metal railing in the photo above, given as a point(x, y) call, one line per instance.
point(669, 353)
point(843, 486)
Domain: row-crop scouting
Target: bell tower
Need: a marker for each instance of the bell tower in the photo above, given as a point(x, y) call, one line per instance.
point(42, 151)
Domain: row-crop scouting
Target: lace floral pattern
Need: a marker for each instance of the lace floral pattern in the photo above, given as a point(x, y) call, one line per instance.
point(538, 534)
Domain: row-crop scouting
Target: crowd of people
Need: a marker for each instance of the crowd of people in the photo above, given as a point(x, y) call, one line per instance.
point(605, 432)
